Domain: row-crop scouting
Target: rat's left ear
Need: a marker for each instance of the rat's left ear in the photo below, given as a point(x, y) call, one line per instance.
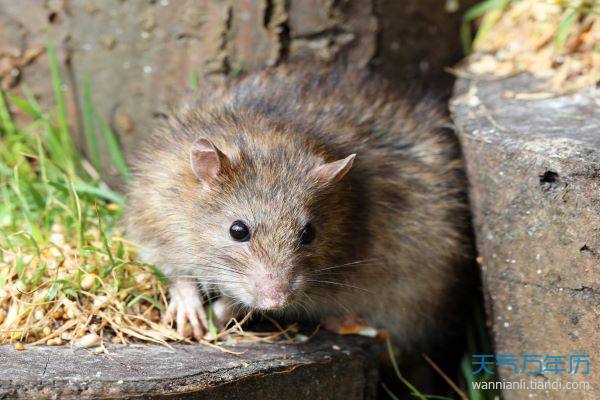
point(333, 171)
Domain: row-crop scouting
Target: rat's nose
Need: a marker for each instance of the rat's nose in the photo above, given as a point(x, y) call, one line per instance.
point(272, 302)
point(271, 290)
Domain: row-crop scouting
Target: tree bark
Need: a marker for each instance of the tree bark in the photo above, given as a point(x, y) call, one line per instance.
point(139, 55)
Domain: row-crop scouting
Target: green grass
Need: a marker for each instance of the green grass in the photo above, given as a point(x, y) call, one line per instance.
point(477, 342)
point(43, 177)
point(487, 12)
point(59, 225)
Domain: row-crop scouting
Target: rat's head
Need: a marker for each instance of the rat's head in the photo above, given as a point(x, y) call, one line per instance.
point(266, 216)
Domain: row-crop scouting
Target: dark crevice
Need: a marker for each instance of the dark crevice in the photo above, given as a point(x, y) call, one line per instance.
point(334, 8)
point(549, 181)
point(53, 17)
point(267, 14)
point(549, 177)
point(226, 62)
point(185, 36)
point(586, 251)
point(583, 289)
point(284, 41)
point(160, 115)
point(586, 289)
point(279, 27)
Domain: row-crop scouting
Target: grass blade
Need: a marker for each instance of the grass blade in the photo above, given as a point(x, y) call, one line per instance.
point(563, 29)
point(6, 122)
point(494, 7)
point(105, 243)
point(83, 187)
point(466, 34)
point(487, 22)
point(140, 296)
point(24, 105)
point(79, 217)
point(449, 381)
point(33, 103)
point(63, 132)
point(413, 390)
point(389, 392)
point(484, 7)
point(114, 149)
point(89, 125)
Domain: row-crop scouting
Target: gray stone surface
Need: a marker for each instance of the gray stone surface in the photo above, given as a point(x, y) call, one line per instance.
point(534, 172)
point(313, 370)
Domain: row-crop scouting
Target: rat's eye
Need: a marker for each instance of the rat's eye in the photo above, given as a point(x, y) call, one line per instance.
point(307, 235)
point(239, 231)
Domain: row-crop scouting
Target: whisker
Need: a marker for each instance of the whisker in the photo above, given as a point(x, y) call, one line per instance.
point(330, 297)
point(346, 265)
point(340, 284)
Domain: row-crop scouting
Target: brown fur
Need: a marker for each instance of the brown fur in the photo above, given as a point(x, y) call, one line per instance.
point(391, 236)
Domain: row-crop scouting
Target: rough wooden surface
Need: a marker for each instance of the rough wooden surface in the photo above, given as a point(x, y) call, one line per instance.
point(140, 55)
point(534, 171)
point(326, 367)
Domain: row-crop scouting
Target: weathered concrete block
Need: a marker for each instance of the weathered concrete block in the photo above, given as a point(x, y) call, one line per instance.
point(313, 370)
point(534, 171)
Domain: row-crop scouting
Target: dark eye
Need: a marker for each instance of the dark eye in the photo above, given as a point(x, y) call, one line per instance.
point(307, 235)
point(239, 231)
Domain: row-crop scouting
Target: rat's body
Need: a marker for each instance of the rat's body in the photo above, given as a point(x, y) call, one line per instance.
point(384, 234)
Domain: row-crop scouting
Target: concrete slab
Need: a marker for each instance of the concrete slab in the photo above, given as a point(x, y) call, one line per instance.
point(315, 369)
point(534, 175)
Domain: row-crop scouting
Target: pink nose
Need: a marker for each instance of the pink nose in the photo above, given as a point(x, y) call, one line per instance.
point(270, 291)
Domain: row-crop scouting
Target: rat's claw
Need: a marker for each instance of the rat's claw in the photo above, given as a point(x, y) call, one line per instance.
point(181, 322)
point(186, 306)
point(197, 327)
point(170, 314)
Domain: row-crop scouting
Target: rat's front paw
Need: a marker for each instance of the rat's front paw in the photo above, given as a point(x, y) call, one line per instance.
point(185, 305)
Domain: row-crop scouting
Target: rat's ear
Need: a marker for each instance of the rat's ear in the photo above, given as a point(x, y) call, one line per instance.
point(333, 171)
point(206, 160)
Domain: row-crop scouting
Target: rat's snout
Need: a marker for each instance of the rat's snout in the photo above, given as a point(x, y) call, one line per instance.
point(270, 290)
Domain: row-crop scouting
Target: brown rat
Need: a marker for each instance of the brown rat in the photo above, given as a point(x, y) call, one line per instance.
point(312, 194)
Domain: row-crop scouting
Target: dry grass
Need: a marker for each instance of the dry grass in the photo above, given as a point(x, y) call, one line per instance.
point(65, 292)
point(557, 41)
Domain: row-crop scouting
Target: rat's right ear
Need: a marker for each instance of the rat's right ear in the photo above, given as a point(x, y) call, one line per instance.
point(206, 160)
point(333, 171)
